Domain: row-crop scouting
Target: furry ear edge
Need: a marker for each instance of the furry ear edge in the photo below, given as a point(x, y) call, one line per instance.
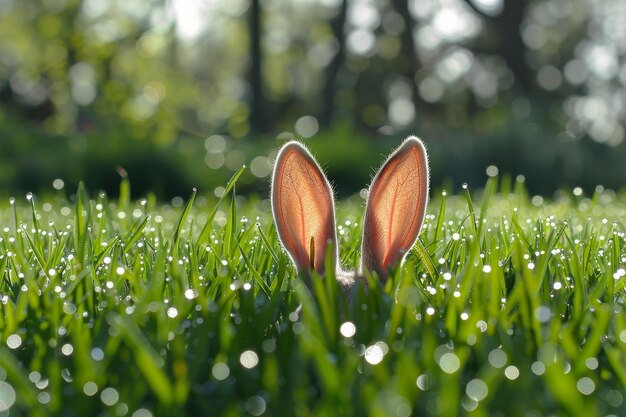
point(395, 208)
point(303, 208)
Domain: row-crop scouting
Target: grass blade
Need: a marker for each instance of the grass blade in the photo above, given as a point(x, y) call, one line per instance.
point(206, 230)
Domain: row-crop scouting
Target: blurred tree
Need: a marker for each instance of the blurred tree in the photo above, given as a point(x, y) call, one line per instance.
point(338, 27)
point(503, 37)
point(169, 70)
point(411, 64)
point(255, 78)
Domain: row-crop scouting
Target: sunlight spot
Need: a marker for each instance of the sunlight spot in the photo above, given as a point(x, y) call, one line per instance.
point(511, 372)
point(172, 312)
point(43, 398)
point(469, 404)
point(476, 389)
point(347, 329)
point(492, 171)
point(482, 325)
point(67, 349)
point(306, 126)
point(538, 368)
point(97, 354)
point(401, 112)
point(261, 166)
point(191, 18)
point(361, 42)
point(497, 358)
point(454, 23)
point(489, 7)
point(364, 15)
point(549, 78)
point(14, 341)
point(602, 60)
point(591, 363)
point(90, 388)
point(614, 398)
point(66, 375)
point(455, 65)
point(567, 368)
point(431, 89)
point(422, 382)
point(374, 354)
point(249, 359)
point(220, 371)
point(7, 397)
point(449, 363)
point(191, 293)
point(255, 405)
point(543, 314)
point(586, 386)
point(109, 396)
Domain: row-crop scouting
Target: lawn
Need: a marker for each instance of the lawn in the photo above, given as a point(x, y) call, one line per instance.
point(508, 305)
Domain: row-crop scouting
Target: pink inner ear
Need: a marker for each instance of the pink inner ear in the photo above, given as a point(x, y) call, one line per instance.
point(395, 208)
point(303, 207)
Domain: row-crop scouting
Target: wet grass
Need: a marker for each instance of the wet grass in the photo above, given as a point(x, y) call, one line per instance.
point(507, 306)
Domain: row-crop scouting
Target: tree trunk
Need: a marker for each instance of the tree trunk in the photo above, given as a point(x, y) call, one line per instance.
point(510, 45)
point(332, 71)
point(409, 52)
point(255, 78)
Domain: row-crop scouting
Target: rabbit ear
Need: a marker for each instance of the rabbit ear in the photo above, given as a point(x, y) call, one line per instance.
point(302, 204)
point(396, 206)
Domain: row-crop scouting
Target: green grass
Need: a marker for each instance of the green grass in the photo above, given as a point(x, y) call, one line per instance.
point(131, 308)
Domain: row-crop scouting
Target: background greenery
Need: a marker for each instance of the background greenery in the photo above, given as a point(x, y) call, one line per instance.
point(535, 88)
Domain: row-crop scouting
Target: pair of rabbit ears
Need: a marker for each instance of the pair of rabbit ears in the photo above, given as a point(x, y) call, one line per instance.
point(304, 213)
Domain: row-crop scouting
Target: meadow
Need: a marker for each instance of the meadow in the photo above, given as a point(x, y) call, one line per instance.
point(508, 305)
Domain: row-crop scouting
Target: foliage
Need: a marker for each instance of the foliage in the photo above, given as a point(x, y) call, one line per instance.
point(30, 161)
point(122, 307)
point(168, 68)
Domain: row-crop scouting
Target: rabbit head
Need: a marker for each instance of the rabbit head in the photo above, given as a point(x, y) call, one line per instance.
point(304, 212)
